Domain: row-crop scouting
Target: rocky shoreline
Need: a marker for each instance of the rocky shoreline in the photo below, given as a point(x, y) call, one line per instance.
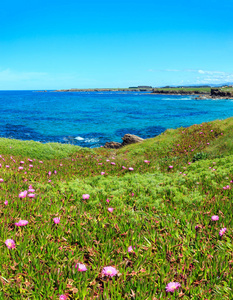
point(127, 140)
point(214, 94)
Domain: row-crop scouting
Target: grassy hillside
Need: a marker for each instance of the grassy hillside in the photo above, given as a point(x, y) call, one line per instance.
point(148, 215)
point(184, 89)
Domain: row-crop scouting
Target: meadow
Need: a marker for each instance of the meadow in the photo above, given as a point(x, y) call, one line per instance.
point(204, 90)
point(147, 221)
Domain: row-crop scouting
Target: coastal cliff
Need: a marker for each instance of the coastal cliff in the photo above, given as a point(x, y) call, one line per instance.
point(221, 93)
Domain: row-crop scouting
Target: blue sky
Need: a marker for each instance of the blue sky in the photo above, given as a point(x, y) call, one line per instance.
point(91, 44)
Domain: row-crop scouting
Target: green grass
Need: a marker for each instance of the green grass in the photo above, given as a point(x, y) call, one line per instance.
point(198, 89)
point(156, 209)
point(227, 89)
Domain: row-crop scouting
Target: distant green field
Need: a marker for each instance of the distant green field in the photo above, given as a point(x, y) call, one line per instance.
point(227, 89)
point(201, 89)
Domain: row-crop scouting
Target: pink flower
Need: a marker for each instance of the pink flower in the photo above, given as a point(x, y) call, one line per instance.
point(215, 218)
point(81, 267)
point(130, 249)
point(146, 161)
point(107, 200)
point(10, 244)
point(22, 162)
point(49, 173)
point(20, 168)
point(30, 160)
point(109, 271)
point(107, 160)
point(31, 195)
point(56, 220)
point(61, 165)
point(30, 190)
point(131, 169)
point(23, 194)
point(21, 223)
point(222, 231)
point(172, 286)
point(1, 180)
point(132, 194)
point(40, 161)
point(63, 297)
point(123, 167)
point(170, 167)
point(6, 202)
point(85, 196)
point(100, 164)
point(197, 226)
point(30, 166)
point(112, 163)
point(102, 173)
point(110, 209)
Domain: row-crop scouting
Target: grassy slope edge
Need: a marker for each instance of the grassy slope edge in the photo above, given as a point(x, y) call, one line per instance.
point(162, 207)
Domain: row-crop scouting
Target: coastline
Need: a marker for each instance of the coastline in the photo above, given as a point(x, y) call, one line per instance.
point(200, 93)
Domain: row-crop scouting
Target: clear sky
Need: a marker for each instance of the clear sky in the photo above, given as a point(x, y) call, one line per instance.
point(47, 44)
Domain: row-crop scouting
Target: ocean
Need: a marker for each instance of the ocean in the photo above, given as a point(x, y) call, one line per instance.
point(90, 119)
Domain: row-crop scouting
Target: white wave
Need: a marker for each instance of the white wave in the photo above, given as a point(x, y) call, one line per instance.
point(91, 140)
point(79, 138)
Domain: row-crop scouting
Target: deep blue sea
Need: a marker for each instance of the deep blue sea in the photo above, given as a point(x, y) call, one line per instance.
point(89, 119)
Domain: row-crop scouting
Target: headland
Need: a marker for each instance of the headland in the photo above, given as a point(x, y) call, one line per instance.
point(202, 92)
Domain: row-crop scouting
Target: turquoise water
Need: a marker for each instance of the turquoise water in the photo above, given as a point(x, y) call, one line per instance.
point(91, 119)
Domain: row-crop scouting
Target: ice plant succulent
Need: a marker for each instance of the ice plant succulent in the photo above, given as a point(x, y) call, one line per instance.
point(31, 195)
point(21, 223)
point(222, 231)
point(109, 271)
point(85, 196)
point(56, 220)
point(172, 286)
point(23, 194)
point(10, 243)
point(215, 218)
point(130, 249)
point(63, 297)
point(81, 267)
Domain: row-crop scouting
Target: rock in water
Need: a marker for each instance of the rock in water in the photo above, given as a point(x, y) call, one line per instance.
point(131, 139)
point(127, 140)
point(112, 145)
